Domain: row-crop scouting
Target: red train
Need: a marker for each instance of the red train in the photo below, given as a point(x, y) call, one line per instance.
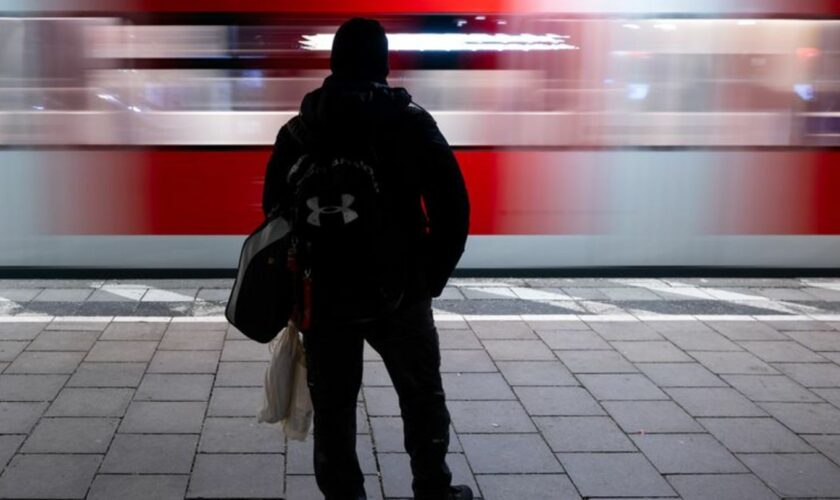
point(134, 134)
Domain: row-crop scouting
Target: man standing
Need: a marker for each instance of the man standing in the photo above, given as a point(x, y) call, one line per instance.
point(429, 218)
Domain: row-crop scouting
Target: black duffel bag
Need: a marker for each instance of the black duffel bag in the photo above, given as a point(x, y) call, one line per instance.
point(262, 298)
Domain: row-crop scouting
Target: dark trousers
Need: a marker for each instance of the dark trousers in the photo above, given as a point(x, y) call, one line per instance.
point(408, 343)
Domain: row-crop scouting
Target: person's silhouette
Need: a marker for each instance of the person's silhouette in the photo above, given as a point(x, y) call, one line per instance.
point(430, 219)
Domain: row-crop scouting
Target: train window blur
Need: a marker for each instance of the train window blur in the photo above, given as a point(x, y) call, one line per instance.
point(640, 82)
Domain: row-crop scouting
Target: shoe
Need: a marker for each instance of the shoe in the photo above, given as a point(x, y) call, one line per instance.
point(460, 492)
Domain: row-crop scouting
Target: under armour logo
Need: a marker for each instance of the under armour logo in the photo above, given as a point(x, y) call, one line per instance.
point(347, 214)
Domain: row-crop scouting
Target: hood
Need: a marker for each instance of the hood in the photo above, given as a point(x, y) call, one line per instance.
point(345, 110)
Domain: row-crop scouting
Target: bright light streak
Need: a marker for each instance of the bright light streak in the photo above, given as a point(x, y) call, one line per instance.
point(631, 26)
point(805, 91)
point(637, 91)
point(461, 22)
point(448, 42)
point(747, 22)
point(134, 108)
point(480, 18)
point(666, 27)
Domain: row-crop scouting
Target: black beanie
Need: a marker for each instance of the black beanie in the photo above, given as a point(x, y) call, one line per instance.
point(360, 51)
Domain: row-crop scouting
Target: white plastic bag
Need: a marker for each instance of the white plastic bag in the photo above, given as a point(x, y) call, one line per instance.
point(297, 421)
point(286, 396)
point(279, 376)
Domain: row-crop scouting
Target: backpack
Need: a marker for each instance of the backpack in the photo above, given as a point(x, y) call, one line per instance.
point(343, 246)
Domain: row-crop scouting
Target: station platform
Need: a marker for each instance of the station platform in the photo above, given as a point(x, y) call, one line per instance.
point(558, 388)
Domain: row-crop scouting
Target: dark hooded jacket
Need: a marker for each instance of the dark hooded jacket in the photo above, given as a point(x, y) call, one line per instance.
point(431, 199)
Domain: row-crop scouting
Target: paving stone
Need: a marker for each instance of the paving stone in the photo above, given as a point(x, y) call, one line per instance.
point(621, 387)
point(198, 324)
point(830, 395)
point(558, 401)
point(151, 454)
point(540, 294)
point(240, 435)
point(299, 456)
point(489, 416)
point(797, 325)
point(629, 293)
point(584, 293)
point(3, 366)
point(733, 363)
point(806, 418)
point(458, 339)
point(487, 292)
point(651, 417)
point(53, 340)
point(235, 401)
point(796, 475)
point(624, 330)
point(45, 362)
point(388, 435)
point(90, 402)
point(687, 453)
point(497, 330)
point(450, 324)
point(63, 295)
point(134, 331)
point(650, 351)
point(9, 349)
point(237, 476)
point(541, 323)
point(236, 350)
point(720, 487)
point(755, 435)
point(700, 341)
point(536, 373)
point(9, 443)
point(827, 445)
point(174, 387)
point(184, 362)
point(197, 340)
point(573, 340)
point(746, 330)
point(122, 350)
point(241, 374)
point(163, 417)
point(714, 402)
point(21, 331)
point(595, 362)
point(30, 387)
point(680, 375)
point(381, 401)
point(396, 473)
point(518, 350)
point(509, 453)
point(834, 357)
point(375, 374)
point(614, 474)
point(823, 294)
point(18, 294)
point(71, 435)
point(505, 487)
point(818, 340)
point(583, 434)
point(466, 361)
point(781, 351)
point(172, 295)
point(771, 388)
point(107, 375)
point(680, 326)
point(476, 386)
point(306, 488)
point(19, 418)
point(69, 476)
point(807, 374)
point(136, 487)
point(117, 294)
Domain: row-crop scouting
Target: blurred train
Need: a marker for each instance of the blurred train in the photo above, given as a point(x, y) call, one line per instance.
point(134, 133)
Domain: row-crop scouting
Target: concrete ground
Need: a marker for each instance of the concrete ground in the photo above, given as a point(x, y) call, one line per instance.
point(558, 388)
